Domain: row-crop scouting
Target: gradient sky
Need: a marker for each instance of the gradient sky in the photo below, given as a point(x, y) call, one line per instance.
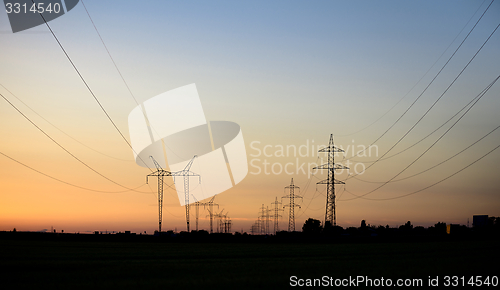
point(288, 72)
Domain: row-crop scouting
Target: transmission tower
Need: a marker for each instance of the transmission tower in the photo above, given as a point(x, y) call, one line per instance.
point(186, 174)
point(211, 205)
point(227, 223)
point(258, 223)
point(222, 222)
point(254, 229)
point(330, 181)
point(292, 196)
point(267, 220)
point(197, 206)
point(264, 218)
point(277, 209)
point(160, 173)
point(218, 217)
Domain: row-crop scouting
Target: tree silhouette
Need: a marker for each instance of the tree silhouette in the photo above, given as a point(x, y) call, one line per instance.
point(406, 227)
point(312, 226)
point(440, 228)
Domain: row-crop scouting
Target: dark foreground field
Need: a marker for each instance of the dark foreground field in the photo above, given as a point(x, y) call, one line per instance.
point(93, 264)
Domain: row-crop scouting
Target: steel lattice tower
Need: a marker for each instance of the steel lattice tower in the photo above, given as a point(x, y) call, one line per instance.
point(292, 196)
point(276, 215)
point(186, 174)
point(264, 214)
point(267, 220)
point(330, 181)
point(197, 206)
point(160, 173)
point(219, 216)
point(210, 205)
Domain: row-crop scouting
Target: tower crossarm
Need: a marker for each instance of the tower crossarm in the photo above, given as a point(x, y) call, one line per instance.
point(326, 181)
point(335, 166)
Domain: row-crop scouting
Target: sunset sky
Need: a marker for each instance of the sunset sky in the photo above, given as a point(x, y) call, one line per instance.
point(290, 73)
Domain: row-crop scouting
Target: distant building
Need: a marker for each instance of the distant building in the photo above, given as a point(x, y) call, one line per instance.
point(479, 221)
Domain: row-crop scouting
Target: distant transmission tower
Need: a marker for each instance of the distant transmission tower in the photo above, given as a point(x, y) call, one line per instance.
point(254, 228)
point(267, 220)
point(197, 206)
point(227, 223)
point(264, 215)
point(258, 223)
point(292, 196)
point(220, 223)
point(211, 205)
point(276, 216)
point(330, 181)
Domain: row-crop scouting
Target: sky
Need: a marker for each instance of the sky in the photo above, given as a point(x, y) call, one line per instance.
point(290, 73)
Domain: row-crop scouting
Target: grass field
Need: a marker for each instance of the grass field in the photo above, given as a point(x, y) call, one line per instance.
point(87, 265)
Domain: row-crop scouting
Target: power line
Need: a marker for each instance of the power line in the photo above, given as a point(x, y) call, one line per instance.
point(418, 80)
point(435, 142)
point(442, 162)
point(315, 195)
point(306, 187)
point(81, 187)
point(128, 88)
point(430, 108)
point(428, 135)
point(121, 76)
point(62, 147)
point(68, 183)
point(320, 193)
point(458, 153)
point(107, 50)
point(88, 87)
point(60, 130)
point(425, 89)
point(427, 187)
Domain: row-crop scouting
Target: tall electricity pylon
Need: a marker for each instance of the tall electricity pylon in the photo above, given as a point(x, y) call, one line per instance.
point(330, 181)
point(292, 196)
point(186, 174)
point(160, 173)
point(277, 209)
